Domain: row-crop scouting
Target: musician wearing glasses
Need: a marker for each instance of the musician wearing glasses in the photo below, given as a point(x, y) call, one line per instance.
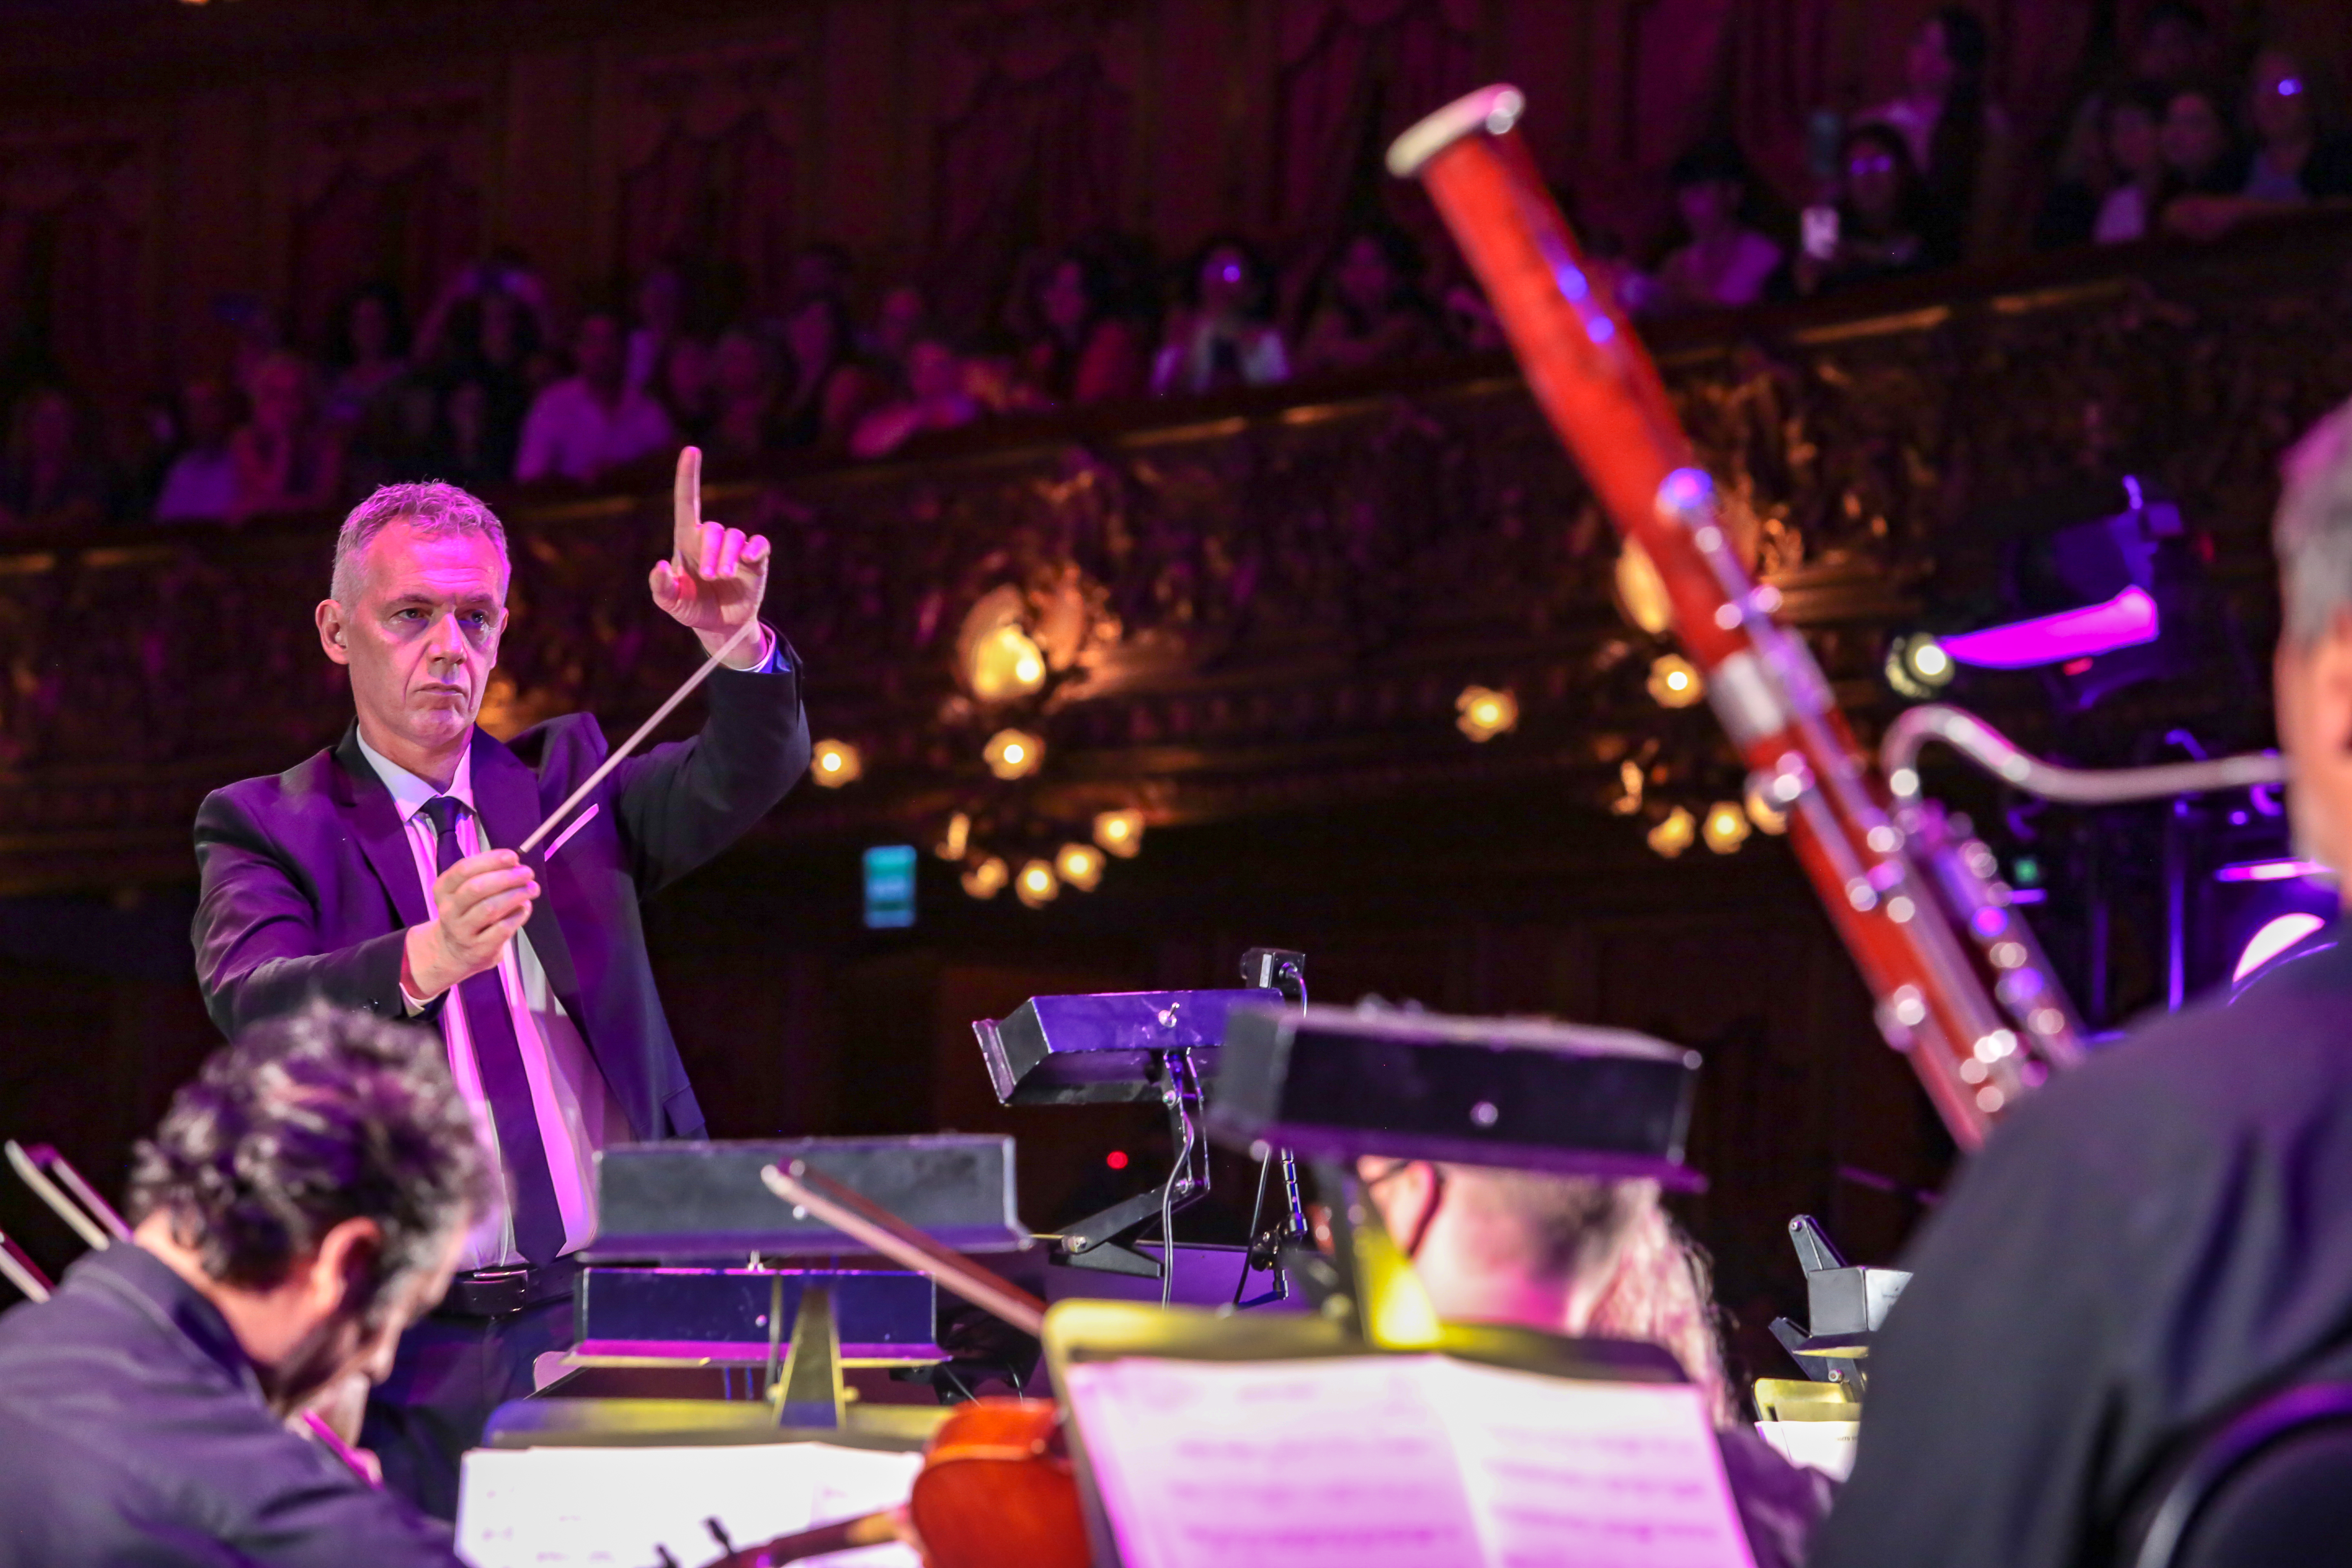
point(1588, 1256)
point(2156, 1240)
point(307, 1197)
point(383, 874)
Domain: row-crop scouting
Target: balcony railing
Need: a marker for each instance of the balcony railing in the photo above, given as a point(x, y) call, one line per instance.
point(1269, 599)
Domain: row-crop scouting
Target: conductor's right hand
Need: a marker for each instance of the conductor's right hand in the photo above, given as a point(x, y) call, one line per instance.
point(480, 902)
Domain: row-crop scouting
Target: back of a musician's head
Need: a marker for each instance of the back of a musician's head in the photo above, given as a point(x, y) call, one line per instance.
point(1634, 1272)
point(2311, 530)
point(304, 1122)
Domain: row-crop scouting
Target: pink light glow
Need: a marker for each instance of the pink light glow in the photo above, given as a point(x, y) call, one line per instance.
point(2125, 621)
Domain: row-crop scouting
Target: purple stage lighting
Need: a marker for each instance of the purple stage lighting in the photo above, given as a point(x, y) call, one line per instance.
point(2269, 872)
point(2127, 620)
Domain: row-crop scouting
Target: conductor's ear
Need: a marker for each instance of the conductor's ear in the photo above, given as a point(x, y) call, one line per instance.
point(331, 630)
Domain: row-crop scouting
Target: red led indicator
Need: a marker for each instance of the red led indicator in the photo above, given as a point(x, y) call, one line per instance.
point(1116, 1159)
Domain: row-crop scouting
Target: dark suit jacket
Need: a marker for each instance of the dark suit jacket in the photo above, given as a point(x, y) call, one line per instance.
point(308, 886)
point(2153, 1239)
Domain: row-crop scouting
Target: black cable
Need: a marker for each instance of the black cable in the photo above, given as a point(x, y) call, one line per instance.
point(1257, 1205)
point(1167, 1218)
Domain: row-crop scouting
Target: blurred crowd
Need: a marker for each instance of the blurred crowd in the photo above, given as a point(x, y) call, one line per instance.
point(487, 385)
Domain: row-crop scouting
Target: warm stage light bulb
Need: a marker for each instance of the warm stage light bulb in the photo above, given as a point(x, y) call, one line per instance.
point(986, 880)
point(1006, 664)
point(1120, 833)
point(1036, 885)
point(1727, 827)
point(1081, 865)
point(955, 838)
point(1485, 714)
point(1761, 811)
point(1013, 753)
point(1675, 835)
point(1675, 682)
point(833, 764)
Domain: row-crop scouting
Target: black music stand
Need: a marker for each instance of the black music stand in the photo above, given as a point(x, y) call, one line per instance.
point(1122, 1048)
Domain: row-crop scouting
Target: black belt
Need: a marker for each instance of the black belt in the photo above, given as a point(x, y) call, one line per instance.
point(495, 1292)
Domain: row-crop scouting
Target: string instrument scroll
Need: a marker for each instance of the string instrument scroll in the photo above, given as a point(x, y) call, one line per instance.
point(1961, 988)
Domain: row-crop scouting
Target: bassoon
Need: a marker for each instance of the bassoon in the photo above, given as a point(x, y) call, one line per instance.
point(1962, 988)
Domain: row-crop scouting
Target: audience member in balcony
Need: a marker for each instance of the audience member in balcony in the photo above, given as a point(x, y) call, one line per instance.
point(288, 459)
point(200, 485)
point(49, 479)
point(686, 389)
point(825, 388)
point(938, 397)
point(2201, 160)
point(904, 315)
point(1369, 308)
point(661, 322)
point(2135, 156)
point(2294, 159)
point(1725, 262)
point(369, 354)
point(591, 422)
point(744, 396)
point(1959, 143)
point(490, 335)
point(1879, 230)
point(2170, 48)
point(1224, 335)
point(398, 437)
point(1078, 348)
point(471, 452)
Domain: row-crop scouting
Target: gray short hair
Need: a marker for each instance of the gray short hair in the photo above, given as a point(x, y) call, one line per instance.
point(2313, 530)
point(432, 508)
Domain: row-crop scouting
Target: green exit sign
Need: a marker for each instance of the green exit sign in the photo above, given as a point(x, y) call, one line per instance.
point(890, 886)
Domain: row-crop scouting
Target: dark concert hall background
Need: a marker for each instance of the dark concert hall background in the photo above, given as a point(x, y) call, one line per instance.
point(1313, 639)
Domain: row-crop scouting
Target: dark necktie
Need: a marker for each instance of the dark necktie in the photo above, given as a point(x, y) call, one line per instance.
point(498, 1057)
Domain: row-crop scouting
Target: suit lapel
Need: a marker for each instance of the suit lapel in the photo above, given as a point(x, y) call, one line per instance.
point(375, 824)
point(506, 793)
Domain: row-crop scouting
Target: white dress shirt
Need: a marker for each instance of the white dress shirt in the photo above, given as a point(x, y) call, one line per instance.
point(568, 1091)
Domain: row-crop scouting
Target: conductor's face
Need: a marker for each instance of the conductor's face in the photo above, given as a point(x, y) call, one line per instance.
point(419, 639)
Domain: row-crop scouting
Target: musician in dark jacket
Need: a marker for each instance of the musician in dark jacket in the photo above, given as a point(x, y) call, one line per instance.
point(305, 1199)
point(2157, 1238)
point(383, 875)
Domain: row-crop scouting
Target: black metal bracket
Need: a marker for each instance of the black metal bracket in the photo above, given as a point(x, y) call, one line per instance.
point(1091, 1243)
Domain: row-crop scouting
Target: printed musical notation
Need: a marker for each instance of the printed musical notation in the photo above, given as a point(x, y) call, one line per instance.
point(1399, 1462)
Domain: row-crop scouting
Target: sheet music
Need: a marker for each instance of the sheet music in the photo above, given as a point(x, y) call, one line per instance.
point(1310, 1464)
point(1399, 1462)
point(1604, 1474)
point(612, 1507)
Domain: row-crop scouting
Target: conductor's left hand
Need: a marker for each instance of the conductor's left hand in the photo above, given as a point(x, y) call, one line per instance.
point(715, 578)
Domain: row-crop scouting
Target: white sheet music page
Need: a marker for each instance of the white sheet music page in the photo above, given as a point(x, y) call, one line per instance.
point(1603, 1475)
point(619, 1507)
point(1399, 1462)
point(1304, 1464)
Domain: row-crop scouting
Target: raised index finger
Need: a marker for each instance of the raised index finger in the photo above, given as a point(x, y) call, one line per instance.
point(687, 496)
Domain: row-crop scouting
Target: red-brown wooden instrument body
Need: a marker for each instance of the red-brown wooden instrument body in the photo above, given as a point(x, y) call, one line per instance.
point(996, 1490)
point(1922, 917)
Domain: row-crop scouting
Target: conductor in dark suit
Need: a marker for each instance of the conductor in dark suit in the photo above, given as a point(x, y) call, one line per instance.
point(381, 874)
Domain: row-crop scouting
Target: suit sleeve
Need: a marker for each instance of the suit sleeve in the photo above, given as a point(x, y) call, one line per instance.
point(257, 931)
point(680, 804)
